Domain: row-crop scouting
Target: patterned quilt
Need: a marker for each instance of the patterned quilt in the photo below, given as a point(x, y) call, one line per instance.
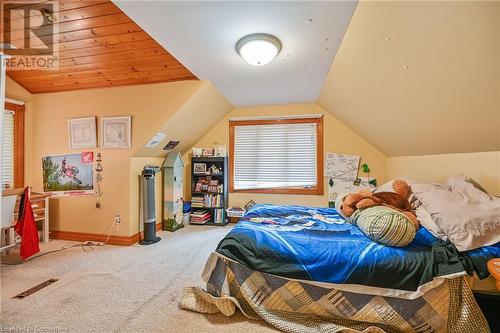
point(299, 307)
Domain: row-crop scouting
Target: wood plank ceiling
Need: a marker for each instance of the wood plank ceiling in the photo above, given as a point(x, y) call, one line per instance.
point(100, 46)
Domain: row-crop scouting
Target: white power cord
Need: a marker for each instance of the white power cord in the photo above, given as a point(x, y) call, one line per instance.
point(116, 222)
point(87, 246)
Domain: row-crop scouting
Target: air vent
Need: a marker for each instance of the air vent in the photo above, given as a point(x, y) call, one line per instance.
point(171, 145)
point(36, 288)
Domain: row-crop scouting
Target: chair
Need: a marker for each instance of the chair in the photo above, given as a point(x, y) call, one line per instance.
point(8, 222)
point(40, 206)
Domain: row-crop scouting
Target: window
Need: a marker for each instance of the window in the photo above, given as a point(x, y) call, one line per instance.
point(276, 156)
point(13, 146)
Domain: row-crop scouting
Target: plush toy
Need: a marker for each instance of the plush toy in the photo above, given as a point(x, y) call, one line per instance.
point(397, 200)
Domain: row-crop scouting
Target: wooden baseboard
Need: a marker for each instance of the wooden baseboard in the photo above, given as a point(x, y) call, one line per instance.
point(84, 236)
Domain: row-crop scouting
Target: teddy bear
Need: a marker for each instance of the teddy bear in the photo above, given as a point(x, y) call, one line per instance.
point(397, 200)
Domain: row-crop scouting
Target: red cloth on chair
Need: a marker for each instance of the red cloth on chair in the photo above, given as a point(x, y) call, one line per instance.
point(26, 227)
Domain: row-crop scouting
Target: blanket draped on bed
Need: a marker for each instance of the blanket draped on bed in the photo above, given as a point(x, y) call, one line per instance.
point(299, 307)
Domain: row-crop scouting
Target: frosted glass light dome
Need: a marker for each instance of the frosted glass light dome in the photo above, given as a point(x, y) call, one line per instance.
point(258, 49)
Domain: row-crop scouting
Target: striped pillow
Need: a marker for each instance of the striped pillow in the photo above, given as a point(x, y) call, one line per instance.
point(385, 225)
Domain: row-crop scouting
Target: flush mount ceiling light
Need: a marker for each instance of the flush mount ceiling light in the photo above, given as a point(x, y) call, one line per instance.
point(258, 49)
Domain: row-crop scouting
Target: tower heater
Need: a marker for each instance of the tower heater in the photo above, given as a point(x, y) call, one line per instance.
point(148, 204)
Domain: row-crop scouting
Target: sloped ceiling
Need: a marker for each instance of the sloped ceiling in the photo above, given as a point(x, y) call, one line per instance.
point(190, 122)
point(418, 78)
point(203, 35)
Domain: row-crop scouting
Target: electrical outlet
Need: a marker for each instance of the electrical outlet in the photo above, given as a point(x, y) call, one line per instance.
point(117, 219)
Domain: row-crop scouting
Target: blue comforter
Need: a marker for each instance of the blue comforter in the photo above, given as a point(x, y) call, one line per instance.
point(317, 244)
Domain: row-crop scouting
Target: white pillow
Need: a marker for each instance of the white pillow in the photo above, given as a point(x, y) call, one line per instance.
point(469, 217)
point(425, 219)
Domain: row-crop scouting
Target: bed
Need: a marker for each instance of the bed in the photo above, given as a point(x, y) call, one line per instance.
point(304, 269)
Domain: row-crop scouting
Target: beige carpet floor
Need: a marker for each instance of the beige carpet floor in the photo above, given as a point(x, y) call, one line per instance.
point(117, 289)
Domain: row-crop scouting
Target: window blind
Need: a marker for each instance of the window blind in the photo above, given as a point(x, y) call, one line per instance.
point(275, 156)
point(8, 150)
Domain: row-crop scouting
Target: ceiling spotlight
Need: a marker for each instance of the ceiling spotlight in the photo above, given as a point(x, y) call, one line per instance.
point(258, 49)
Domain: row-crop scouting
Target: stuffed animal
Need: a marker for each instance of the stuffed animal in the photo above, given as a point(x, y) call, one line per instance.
point(397, 200)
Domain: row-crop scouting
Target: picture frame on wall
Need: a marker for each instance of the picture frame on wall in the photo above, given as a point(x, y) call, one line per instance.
point(82, 133)
point(116, 132)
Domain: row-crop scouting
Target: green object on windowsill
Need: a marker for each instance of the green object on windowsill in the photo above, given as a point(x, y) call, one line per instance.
point(366, 169)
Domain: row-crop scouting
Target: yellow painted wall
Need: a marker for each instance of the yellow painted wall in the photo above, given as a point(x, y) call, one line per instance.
point(483, 167)
point(150, 107)
point(183, 110)
point(337, 138)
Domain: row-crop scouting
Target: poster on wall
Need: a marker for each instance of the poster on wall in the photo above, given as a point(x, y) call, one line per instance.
point(68, 175)
point(342, 166)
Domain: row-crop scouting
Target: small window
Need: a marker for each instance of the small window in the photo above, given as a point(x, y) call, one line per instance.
point(13, 146)
point(277, 156)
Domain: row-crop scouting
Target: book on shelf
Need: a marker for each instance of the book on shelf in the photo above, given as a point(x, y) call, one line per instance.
point(200, 217)
point(207, 201)
point(219, 216)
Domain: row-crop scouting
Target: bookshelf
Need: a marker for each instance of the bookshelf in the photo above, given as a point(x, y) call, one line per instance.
point(209, 190)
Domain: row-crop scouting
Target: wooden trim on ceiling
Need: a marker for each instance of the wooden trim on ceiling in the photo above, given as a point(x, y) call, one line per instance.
point(18, 110)
point(316, 190)
point(85, 236)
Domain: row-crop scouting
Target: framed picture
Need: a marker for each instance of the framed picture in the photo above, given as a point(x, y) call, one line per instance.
point(198, 187)
point(116, 132)
point(214, 182)
point(199, 168)
point(82, 133)
point(208, 152)
point(212, 189)
point(204, 187)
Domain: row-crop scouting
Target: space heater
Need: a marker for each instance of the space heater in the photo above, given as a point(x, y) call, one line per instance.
point(148, 205)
